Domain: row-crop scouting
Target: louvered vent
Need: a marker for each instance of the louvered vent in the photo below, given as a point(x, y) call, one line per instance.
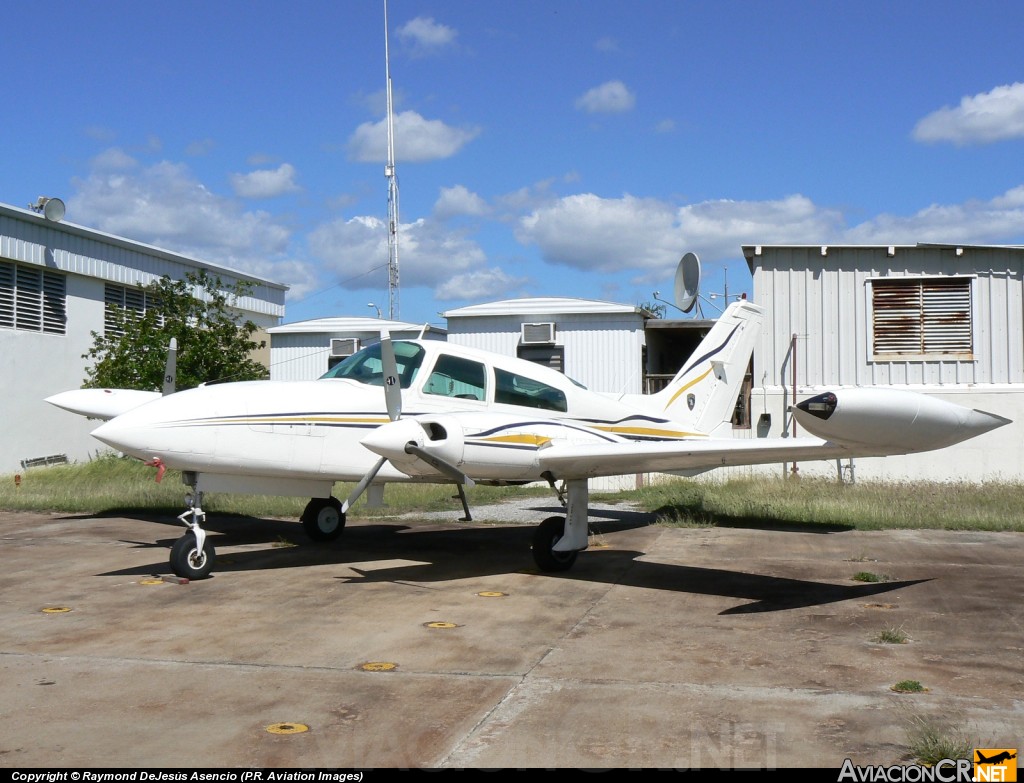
point(922, 316)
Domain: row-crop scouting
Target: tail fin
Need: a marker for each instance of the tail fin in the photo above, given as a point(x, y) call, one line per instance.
point(703, 393)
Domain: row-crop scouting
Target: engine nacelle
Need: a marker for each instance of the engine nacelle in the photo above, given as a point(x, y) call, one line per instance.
point(440, 435)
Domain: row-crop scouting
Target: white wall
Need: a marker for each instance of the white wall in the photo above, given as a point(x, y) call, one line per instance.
point(602, 351)
point(35, 366)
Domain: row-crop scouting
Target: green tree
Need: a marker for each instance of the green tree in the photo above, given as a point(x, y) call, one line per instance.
point(214, 342)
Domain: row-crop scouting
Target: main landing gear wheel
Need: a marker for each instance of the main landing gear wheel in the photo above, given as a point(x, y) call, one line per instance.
point(545, 537)
point(188, 561)
point(323, 519)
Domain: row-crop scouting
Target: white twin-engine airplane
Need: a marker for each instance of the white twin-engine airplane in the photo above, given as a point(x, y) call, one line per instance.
point(434, 412)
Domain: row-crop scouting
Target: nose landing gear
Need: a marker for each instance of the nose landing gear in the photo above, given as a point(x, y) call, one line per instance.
point(192, 556)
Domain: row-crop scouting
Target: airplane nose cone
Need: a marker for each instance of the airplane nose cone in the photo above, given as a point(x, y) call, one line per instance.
point(117, 436)
point(389, 440)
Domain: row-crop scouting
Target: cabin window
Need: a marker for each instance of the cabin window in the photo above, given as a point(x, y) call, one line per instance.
point(513, 389)
point(552, 356)
point(366, 366)
point(32, 299)
point(921, 318)
point(454, 376)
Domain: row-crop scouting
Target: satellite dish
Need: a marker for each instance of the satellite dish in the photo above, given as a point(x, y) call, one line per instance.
point(52, 208)
point(687, 282)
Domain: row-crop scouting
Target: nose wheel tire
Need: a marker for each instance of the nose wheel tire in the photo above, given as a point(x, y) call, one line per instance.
point(545, 537)
point(190, 562)
point(323, 519)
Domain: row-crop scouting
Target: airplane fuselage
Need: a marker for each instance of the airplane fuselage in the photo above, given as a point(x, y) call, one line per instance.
point(314, 429)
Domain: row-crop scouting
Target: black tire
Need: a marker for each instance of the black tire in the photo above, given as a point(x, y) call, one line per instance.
point(190, 563)
point(545, 537)
point(322, 520)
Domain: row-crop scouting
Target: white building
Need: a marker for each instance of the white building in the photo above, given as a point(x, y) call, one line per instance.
point(598, 344)
point(945, 320)
point(56, 282)
point(305, 350)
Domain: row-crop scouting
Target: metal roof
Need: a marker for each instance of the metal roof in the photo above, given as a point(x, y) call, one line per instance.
point(130, 244)
point(750, 252)
point(350, 324)
point(542, 306)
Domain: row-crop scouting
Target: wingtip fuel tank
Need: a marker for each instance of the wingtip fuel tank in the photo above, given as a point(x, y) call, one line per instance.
point(892, 420)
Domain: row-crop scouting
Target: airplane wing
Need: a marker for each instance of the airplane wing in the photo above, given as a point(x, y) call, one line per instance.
point(848, 423)
point(610, 459)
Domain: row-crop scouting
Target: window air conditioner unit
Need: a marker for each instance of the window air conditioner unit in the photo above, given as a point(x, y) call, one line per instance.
point(344, 346)
point(538, 334)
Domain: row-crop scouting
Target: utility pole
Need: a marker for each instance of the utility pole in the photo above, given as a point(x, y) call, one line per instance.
point(389, 172)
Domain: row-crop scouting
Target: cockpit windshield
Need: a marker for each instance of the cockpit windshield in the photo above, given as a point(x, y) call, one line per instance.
point(366, 366)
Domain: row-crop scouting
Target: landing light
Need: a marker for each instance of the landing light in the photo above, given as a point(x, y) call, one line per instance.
point(822, 406)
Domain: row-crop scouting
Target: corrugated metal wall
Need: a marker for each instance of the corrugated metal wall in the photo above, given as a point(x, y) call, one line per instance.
point(825, 302)
point(53, 246)
point(602, 351)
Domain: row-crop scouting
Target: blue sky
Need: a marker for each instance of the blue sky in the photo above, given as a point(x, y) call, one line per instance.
point(543, 147)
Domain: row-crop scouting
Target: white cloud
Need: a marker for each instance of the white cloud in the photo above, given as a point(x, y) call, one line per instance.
point(265, 183)
point(589, 232)
point(480, 285)
point(459, 200)
point(425, 35)
point(606, 44)
point(722, 226)
point(665, 126)
point(999, 220)
point(608, 98)
point(979, 119)
point(356, 252)
point(113, 159)
point(606, 235)
point(416, 139)
point(647, 236)
point(166, 206)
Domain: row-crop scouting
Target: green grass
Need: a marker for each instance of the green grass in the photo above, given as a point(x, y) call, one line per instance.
point(892, 636)
point(909, 686)
point(868, 576)
point(931, 740)
point(825, 504)
point(108, 484)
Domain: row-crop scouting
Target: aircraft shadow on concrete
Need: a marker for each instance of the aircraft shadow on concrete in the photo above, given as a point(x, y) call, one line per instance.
point(447, 552)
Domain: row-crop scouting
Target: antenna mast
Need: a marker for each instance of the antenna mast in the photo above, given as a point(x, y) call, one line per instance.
point(389, 172)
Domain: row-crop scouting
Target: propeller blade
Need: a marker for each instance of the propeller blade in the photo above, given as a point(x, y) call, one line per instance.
point(440, 465)
point(171, 368)
point(360, 488)
point(392, 388)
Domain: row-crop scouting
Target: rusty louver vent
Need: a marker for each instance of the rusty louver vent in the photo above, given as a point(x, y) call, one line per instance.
point(919, 316)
